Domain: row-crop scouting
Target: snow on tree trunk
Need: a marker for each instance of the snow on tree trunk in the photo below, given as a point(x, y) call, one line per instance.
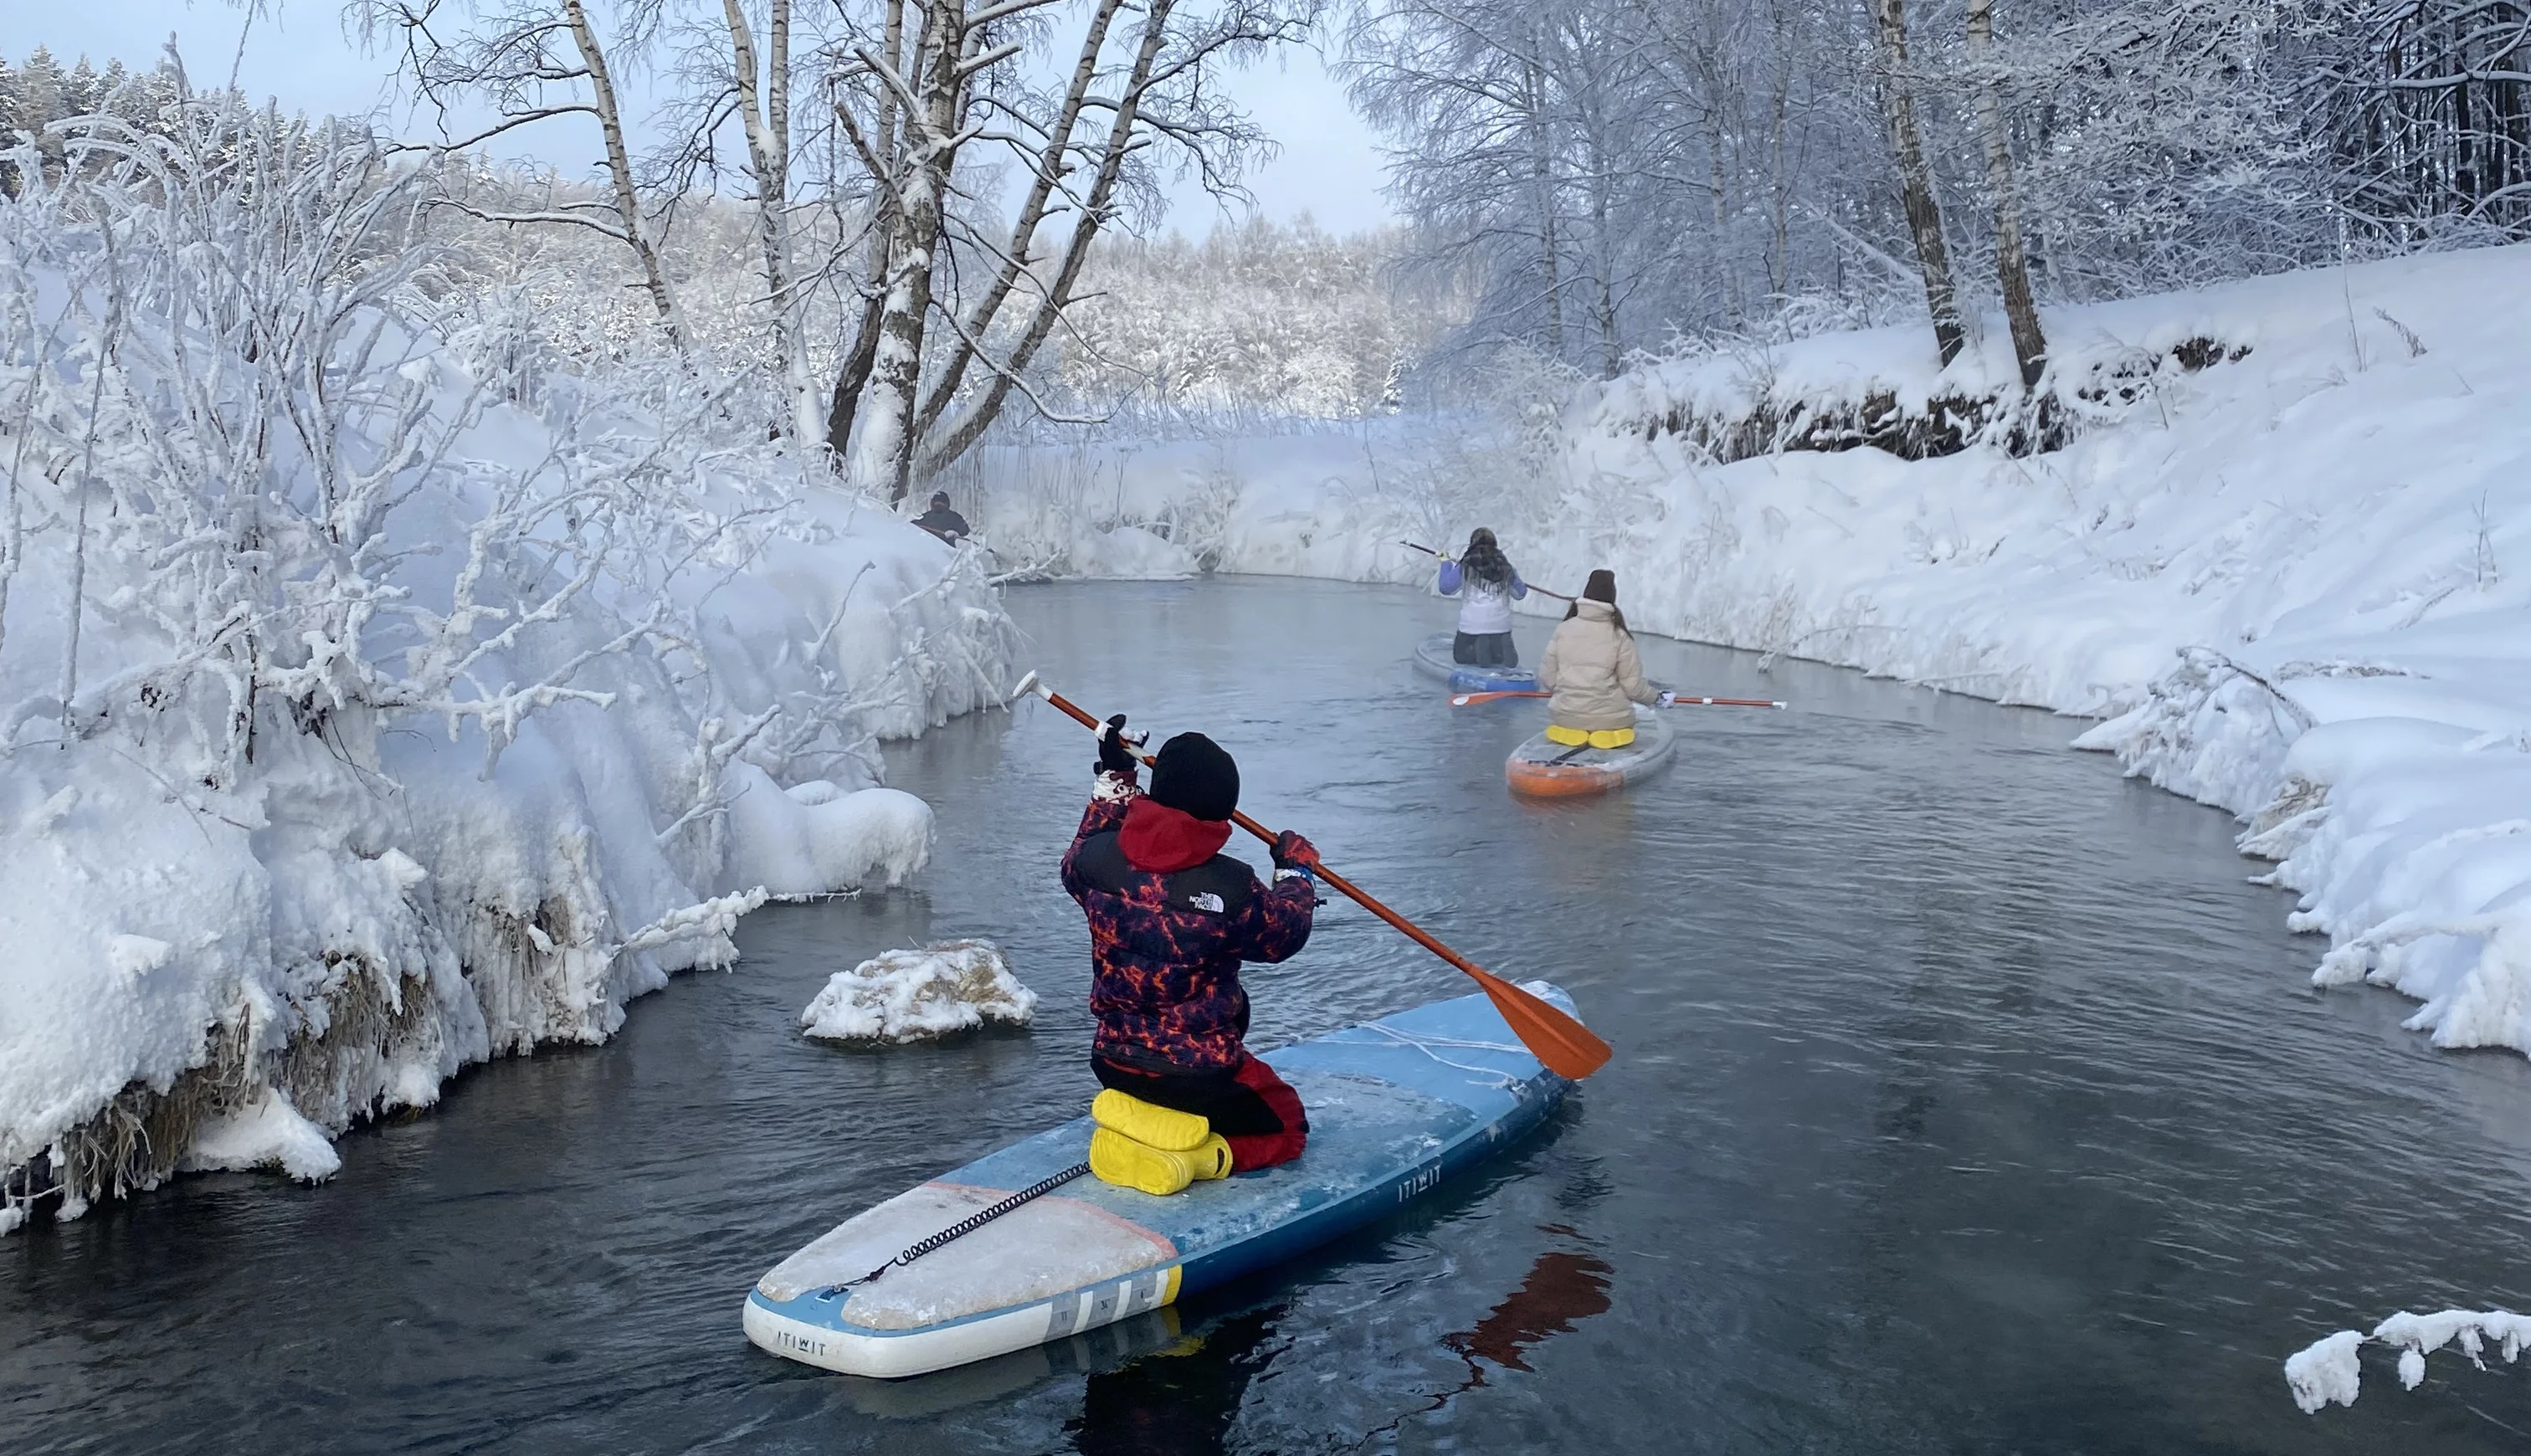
point(1916, 178)
point(2012, 268)
point(619, 172)
point(884, 455)
point(761, 113)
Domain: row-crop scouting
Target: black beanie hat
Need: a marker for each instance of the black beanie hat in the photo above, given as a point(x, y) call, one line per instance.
point(1601, 587)
point(1195, 777)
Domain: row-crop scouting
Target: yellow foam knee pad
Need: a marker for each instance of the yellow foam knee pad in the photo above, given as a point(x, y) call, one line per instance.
point(1148, 1123)
point(1578, 738)
point(1158, 1171)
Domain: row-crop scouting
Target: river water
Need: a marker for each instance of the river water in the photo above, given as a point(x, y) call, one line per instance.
point(1967, 1099)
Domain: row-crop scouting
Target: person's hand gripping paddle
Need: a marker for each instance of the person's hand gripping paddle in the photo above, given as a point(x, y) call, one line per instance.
point(1563, 1044)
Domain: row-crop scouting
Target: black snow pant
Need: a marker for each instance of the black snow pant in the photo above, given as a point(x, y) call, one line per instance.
point(1256, 1111)
point(1484, 649)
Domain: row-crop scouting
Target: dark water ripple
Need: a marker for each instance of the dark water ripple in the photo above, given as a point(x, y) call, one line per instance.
point(1966, 1101)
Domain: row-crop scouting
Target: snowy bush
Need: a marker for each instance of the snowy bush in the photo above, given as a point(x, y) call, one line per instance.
point(917, 995)
point(372, 704)
point(2327, 1371)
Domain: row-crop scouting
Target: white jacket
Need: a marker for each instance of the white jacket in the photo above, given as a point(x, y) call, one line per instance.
point(1485, 607)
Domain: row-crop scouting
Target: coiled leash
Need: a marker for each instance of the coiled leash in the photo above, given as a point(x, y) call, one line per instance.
point(962, 1228)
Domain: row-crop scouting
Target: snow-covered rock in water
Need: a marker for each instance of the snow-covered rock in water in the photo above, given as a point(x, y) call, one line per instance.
point(917, 995)
point(2328, 1371)
point(266, 1133)
point(815, 839)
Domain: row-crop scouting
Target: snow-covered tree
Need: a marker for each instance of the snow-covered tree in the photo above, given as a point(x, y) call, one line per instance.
point(1612, 171)
point(872, 132)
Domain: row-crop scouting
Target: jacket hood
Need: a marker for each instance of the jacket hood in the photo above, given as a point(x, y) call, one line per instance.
point(1594, 611)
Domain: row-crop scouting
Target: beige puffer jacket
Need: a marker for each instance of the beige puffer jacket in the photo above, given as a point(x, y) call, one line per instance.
point(1591, 668)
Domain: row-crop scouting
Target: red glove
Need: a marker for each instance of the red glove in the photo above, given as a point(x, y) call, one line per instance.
point(1292, 851)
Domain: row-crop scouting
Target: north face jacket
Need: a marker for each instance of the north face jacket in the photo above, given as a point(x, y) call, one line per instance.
point(1164, 948)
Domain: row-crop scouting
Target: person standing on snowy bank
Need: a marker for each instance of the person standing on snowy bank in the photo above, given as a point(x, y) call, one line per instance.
point(1592, 669)
point(1486, 584)
point(1170, 918)
point(941, 521)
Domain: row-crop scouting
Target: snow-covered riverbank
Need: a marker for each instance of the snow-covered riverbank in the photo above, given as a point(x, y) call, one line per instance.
point(378, 694)
point(2286, 556)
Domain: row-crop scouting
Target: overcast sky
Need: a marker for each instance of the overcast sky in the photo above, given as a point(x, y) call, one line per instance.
point(1329, 167)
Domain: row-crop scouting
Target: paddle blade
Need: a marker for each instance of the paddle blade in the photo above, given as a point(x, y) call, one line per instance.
point(1465, 700)
point(1563, 1044)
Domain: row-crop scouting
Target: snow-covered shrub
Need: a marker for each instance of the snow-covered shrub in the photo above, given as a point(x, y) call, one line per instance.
point(1257, 321)
point(2328, 1371)
point(921, 995)
point(369, 703)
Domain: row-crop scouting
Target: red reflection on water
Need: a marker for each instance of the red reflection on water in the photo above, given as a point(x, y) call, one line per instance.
point(1563, 1289)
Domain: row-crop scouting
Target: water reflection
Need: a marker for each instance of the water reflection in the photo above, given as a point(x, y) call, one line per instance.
point(1184, 1400)
point(1563, 1289)
point(1179, 1401)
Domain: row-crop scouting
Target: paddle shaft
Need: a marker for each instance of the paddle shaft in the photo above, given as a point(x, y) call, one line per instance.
point(1563, 1044)
point(1531, 585)
point(1681, 700)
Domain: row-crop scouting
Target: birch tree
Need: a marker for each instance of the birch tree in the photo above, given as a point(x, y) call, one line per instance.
point(1916, 178)
point(533, 61)
point(2012, 267)
point(1152, 85)
point(763, 103)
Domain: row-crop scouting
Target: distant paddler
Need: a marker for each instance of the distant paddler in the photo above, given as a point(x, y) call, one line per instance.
point(1487, 585)
point(1593, 673)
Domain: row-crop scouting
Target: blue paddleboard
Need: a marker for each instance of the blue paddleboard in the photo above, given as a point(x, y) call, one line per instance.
point(1398, 1108)
point(1432, 657)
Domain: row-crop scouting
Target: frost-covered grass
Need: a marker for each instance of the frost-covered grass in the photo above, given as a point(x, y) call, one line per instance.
point(2294, 580)
point(378, 694)
point(921, 995)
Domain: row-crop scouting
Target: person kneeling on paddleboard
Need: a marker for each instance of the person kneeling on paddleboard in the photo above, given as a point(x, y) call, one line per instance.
point(1593, 670)
point(1170, 918)
point(1490, 586)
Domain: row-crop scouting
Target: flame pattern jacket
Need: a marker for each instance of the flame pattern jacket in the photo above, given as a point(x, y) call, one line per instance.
point(1164, 949)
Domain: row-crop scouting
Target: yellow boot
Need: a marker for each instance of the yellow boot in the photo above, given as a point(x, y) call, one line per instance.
point(1210, 1158)
point(1158, 1171)
point(1148, 1123)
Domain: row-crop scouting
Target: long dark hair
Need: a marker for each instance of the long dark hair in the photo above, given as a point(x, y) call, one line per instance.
point(1602, 586)
point(1484, 561)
